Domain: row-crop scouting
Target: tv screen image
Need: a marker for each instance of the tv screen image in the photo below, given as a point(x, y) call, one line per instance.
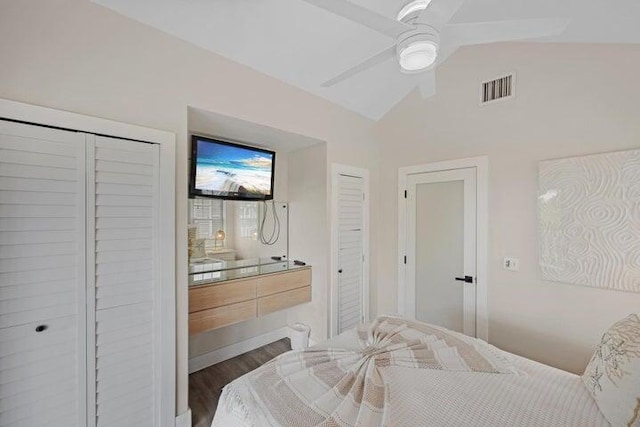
point(232, 171)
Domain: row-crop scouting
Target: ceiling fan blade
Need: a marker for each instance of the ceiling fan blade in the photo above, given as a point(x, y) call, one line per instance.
point(427, 84)
point(363, 16)
point(501, 31)
point(446, 50)
point(439, 13)
point(379, 58)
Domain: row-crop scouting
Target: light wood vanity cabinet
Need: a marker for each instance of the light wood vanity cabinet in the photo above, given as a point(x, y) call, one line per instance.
point(214, 318)
point(275, 302)
point(205, 297)
point(225, 303)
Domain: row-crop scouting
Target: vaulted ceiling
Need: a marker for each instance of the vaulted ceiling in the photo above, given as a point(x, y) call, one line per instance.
point(305, 46)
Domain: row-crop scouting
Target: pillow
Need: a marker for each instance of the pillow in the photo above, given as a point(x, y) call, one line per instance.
point(613, 374)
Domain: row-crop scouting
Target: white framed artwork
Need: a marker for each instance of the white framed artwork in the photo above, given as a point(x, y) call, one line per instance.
point(589, 220)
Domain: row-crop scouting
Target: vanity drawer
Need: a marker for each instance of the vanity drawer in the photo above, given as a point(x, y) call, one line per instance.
point(276, 283)
point(283, 300)
point(221, 316)
point(220, 295)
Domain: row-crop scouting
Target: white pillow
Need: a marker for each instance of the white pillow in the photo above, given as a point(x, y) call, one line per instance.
point(613, 374)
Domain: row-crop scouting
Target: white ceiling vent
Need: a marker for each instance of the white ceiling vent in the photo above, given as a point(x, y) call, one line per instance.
point(500, 89)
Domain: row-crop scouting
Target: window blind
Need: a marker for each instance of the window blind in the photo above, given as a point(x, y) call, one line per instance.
point(208, 217)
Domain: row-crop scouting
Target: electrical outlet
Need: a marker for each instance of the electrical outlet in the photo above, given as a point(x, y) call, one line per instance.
point(511, 264)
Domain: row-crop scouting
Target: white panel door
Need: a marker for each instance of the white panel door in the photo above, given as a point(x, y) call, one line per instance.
point(42, 276)
point(441, 255)
point(350, 251)
point(125, 221)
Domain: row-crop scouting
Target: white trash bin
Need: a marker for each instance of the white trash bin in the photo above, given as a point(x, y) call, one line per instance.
point(299, 336)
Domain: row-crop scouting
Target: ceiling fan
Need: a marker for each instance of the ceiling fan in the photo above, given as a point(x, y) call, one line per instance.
point(423, 37)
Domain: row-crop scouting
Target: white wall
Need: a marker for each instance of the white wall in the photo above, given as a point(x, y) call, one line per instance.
point(309, 240)
point(77, 56)
point(571, 100)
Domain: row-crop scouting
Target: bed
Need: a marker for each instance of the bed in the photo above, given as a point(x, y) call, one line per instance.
point(403, 373)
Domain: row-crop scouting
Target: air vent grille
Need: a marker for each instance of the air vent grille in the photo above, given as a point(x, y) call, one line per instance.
point(497, 89)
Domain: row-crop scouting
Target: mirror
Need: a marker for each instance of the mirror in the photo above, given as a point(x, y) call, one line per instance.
point(226, 234)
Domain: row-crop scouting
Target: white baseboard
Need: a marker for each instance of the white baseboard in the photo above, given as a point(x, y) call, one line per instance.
point(205, 360)
point(184, 419)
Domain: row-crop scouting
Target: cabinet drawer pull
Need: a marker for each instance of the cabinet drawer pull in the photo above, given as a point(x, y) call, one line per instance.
point(41, 328)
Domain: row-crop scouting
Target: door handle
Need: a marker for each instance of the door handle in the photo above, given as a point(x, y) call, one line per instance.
point(466, 279)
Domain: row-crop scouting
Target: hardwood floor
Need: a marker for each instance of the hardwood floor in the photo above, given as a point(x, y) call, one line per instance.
point(206, 385)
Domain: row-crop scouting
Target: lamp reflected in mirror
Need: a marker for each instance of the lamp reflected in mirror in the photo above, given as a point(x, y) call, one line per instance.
point(219, 236)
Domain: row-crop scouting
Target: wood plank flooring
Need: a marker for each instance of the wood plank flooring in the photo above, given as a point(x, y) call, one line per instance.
point(206, 385)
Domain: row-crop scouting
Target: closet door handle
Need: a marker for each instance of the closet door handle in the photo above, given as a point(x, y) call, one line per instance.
point(466, 279)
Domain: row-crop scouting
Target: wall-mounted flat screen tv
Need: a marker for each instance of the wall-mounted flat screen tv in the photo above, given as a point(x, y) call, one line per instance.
point(226, 170)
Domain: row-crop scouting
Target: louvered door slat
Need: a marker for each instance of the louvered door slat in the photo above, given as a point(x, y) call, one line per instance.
point(103, 235)
point(37, 198)
point(350, 250)
point(42, 229)
point(109, 166)
point(36, 172)
point(38, 159)
point(108, 151)
point(115, 200)
point(36, 276)
point(18, 347)
point(38, 314)
point(117, 383)
point(42, 263)
point(138, 352)
point(123, 289)
point(17, 305)
point(127, 189)
point(123, 416)
point(123, 178)
point(57, 414)
point(120, 224)
point(37, 224)
point(33, 184)
point(118, 244)
point(125, 224)
point(36, 250)
point(33, 211)
point(35, 289)
point(121, 278)
point(41, 353)
point(47, 365)
point(24, 237)
point(32, 397)
point(22, 414)
point(116, 324)
point(34, 145)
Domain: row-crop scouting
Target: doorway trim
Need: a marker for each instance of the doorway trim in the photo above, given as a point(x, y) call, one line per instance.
point(481, 164)
point(336, 170)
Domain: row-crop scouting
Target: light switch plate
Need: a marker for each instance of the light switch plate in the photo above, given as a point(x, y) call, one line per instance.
point(511, 264)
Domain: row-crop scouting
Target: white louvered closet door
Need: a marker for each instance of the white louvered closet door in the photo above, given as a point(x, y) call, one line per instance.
point(350, 251)
point(42, 276)
point(126, 194)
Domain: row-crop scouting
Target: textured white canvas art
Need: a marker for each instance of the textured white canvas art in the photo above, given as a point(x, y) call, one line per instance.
point(589, 220)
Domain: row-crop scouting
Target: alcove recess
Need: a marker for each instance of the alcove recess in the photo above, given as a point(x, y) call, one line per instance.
point(300, 182)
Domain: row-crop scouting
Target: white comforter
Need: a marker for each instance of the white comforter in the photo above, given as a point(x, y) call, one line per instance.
point(538, 396)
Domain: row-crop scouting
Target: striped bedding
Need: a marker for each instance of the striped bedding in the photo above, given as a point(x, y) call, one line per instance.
point(420, 375)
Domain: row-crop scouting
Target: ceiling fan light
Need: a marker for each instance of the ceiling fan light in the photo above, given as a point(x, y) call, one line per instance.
point(415, 6)
point(418, 56)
